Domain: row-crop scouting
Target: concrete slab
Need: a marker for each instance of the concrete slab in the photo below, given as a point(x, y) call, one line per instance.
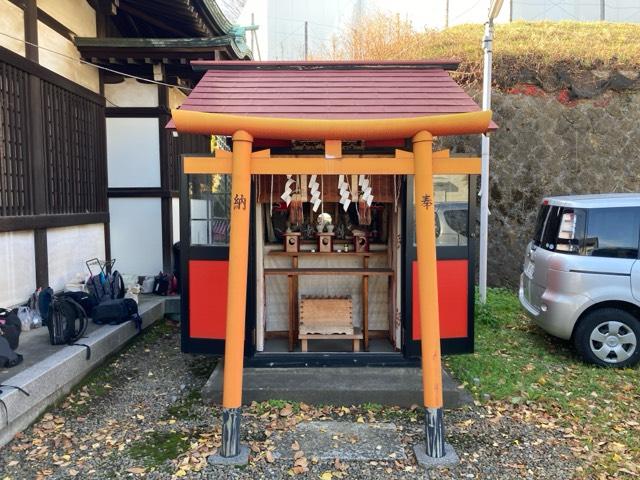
point(343, 440)
point(401, 386)
point(241, 459)
point(449, 460)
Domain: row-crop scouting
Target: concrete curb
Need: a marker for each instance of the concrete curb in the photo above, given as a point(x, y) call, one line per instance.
point(55, 376)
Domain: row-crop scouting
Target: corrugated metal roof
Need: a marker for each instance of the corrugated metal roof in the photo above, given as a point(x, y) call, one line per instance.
point(328, 89)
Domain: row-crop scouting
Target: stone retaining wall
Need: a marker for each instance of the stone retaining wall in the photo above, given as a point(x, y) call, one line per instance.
point(552, 144)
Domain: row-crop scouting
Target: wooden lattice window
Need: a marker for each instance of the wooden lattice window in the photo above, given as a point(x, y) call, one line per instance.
point(16, 196)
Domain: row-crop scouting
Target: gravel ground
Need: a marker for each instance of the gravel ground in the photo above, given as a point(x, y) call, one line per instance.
point(140, 415)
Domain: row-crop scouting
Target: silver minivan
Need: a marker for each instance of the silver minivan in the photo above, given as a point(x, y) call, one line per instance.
point(581, 275)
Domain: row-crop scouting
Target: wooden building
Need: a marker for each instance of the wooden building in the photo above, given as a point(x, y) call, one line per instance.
point(86, 166)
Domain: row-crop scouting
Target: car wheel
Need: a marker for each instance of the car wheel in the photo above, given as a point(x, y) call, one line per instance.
point(609, 337)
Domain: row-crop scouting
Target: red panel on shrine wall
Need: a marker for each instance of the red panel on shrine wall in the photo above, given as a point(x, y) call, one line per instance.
point(453, 291)
point(208, 298)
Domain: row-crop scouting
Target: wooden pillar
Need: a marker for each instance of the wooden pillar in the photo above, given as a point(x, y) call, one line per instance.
point(237, 292)
point(428, 291)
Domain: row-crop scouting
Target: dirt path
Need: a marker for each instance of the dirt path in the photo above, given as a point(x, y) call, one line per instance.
point(141, 415)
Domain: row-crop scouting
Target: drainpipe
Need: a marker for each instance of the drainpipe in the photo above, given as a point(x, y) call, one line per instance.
point(487, 43)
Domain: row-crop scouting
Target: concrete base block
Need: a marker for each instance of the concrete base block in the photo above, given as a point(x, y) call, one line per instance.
point(449, 460)
point(241, 459)
point(401, 386)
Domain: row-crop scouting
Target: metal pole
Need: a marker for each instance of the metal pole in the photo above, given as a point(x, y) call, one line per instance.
point(306, 41)
point(484, 185)
point(252, 34)
point(602, 10)
point(446, 13)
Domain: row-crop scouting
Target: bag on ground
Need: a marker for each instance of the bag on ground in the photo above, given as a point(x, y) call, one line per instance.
point(86, 301)
point(164, 284)
point(148, 284)
point(25, 315)
point(67, 321)
point(45, 297)
point(8, 358)
point(117, 311)
point(10, 327)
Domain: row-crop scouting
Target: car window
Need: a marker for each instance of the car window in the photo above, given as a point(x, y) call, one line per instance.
point(540, 222)
point(612, 232)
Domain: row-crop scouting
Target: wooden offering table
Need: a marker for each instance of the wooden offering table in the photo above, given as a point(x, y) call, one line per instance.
point(295, 271)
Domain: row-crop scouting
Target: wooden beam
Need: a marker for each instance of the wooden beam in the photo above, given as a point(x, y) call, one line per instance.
point(263, 165)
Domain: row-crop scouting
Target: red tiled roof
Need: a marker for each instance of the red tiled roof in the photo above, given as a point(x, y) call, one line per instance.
point(328, 89)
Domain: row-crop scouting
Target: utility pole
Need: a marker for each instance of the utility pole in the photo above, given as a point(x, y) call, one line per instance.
point(252, 31)
point(446, 13)
point(602, 10)
point(306, 41)
point(487, 45)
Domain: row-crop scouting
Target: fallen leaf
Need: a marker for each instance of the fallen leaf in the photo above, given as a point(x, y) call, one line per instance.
point(269, 457)
point(326, 476)
point(136, 470)
point(286, 411)
point(295, 446)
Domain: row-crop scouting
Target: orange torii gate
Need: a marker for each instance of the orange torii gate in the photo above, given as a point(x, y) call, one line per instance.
point(242, 162)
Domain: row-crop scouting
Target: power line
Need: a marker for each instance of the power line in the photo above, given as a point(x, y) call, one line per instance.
point(100, 67)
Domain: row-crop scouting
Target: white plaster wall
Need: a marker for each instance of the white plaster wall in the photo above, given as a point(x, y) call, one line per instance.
point(17, 259)
point(76, 15)
point(131, 93)
point(175, 218)
point(176, 97)
point(12, 23)
point(68, 249)
point(136, 235)
point(84, 75)
point(133, 152)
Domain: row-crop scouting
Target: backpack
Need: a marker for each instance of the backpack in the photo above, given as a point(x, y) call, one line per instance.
point(45, 297)
point(86, 301)
point(10, 327)
point(67, 321)
point(163, 284)
point(99, 287)
point(117, 311)
point(117, 285)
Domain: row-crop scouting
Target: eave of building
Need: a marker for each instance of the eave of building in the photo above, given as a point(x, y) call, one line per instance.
point(161, 50)
point(168, 18)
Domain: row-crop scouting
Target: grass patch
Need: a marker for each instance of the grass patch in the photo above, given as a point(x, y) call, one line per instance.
point(184, 408)
point(158, 447)
point(518, 46)
point(518, 363)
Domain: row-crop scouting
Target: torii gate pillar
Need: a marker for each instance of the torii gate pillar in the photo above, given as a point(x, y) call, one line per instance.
point(237, 293)
point(428, 292)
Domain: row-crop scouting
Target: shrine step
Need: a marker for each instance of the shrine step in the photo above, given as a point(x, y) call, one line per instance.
point(401, 386)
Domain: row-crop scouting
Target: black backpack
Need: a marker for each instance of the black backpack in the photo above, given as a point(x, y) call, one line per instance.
point(86, 301)
point(44, 302)
point(67, 321)
point(117, 285)
point(10, 327)
point(117, 311)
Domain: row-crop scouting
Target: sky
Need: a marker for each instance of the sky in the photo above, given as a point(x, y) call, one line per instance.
point(421, 13)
